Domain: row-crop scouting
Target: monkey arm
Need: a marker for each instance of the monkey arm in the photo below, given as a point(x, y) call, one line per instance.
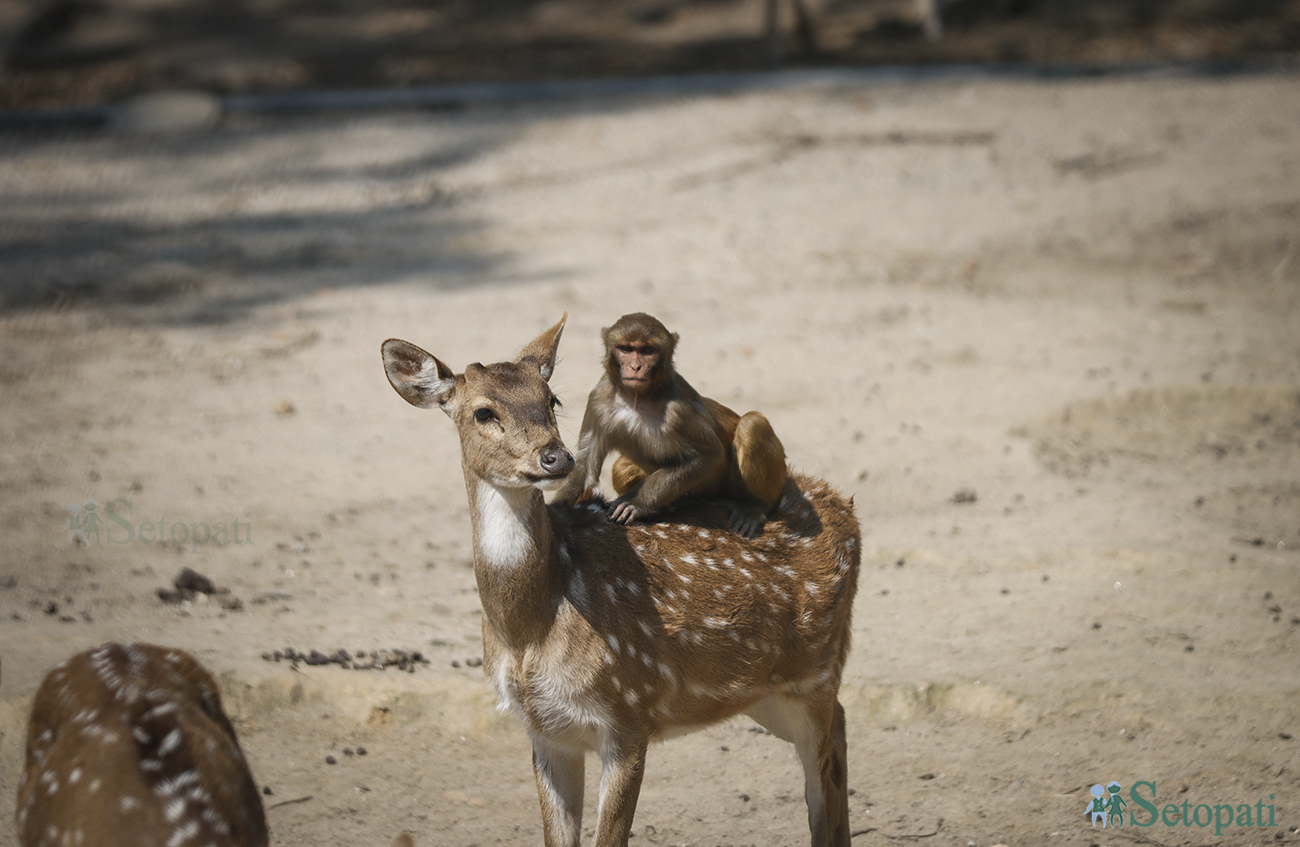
point(699, 466)
point(591, 456)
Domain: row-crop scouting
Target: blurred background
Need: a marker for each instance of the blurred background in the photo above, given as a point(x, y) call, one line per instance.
point(77, 52)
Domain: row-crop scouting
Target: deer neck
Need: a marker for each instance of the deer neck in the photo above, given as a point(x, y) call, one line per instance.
point(515, 561)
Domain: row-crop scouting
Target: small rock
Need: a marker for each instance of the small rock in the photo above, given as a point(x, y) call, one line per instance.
point(166, 112)
point(191, 580)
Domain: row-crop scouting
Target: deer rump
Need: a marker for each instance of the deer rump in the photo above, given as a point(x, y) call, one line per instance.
point(710, 625)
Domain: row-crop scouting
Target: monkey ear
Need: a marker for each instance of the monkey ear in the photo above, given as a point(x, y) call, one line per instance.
point(421, 379)
point(542, 349)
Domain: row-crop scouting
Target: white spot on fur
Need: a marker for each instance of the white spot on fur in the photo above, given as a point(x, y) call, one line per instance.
point(175, 808)
point(183, 833)
point(170, 742)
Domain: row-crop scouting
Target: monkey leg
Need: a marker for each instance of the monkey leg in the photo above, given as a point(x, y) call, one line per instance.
point(760, 459)
point(761, 471)
point(627, 475)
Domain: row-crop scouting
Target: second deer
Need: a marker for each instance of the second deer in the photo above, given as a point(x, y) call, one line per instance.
point(603, 638)
point(128, 744)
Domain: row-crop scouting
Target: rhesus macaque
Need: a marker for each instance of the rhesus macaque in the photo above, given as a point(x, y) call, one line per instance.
point(672, 442)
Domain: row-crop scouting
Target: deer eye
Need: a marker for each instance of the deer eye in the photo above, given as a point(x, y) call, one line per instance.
point(484, 415)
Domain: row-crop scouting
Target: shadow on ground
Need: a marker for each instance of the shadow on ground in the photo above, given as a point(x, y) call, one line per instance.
point(200, 229)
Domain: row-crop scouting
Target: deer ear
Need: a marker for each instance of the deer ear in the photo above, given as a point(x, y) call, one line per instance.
point(421, 379)
point(541, 350)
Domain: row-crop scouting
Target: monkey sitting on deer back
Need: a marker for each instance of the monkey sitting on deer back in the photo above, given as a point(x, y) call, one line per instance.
point(672, 442)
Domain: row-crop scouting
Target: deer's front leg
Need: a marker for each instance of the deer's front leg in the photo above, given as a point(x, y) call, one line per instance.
point(623, 766)
point(559, 786)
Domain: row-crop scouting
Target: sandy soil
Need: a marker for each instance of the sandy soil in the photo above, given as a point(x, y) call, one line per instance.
point(1044, 333)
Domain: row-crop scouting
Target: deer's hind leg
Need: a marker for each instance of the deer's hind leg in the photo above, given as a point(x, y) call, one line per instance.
point(815, 725)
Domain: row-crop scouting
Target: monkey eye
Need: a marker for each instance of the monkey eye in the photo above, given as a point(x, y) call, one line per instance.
point(484, 415)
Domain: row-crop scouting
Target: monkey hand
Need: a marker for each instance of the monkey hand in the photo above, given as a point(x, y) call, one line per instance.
point(622, 511)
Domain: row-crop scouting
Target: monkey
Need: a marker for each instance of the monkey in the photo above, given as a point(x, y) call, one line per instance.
point(672, 442)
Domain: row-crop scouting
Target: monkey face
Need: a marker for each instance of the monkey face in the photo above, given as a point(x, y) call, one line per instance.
point(638, 365)
point(639, 354)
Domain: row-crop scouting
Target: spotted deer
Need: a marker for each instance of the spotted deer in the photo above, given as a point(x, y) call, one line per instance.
point(603, 637)
point(128, 744)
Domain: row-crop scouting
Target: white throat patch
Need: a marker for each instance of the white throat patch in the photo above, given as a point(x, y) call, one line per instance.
point(504, 538)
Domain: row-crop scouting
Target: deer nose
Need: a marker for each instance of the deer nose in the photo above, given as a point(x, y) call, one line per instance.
point(556, 459)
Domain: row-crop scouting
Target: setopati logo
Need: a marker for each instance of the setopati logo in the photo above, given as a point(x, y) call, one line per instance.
point(1143, 808)
point(115, 523)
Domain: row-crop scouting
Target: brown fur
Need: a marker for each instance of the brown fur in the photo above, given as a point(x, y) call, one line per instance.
point(128, 744)
point(605, 638)
point(672, 442)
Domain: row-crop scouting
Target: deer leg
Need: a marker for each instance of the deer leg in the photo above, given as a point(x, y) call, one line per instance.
point(804, 28)
point(772, 31)
point(560, 787)
point(815, 726)
point(623, 763)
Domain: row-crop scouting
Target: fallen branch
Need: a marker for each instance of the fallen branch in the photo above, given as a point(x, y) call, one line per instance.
point(288, 802)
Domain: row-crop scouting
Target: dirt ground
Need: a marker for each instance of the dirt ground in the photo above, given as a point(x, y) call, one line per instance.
point(1044, 332)
point(74, 52)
